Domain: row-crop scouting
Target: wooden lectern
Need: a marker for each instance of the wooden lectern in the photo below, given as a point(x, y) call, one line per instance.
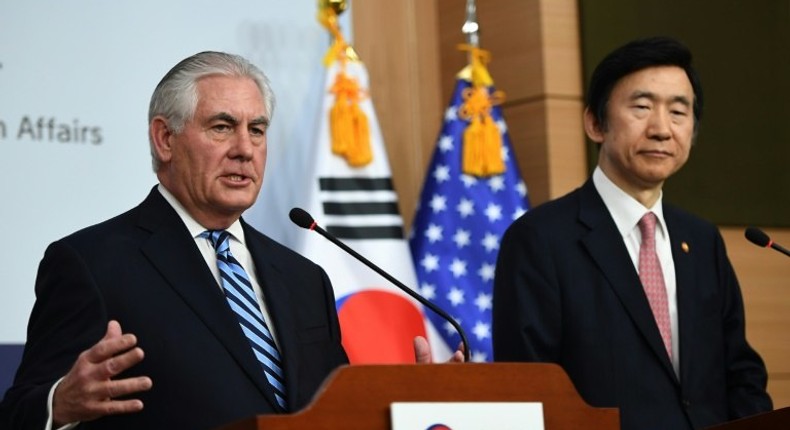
point(359, 396)
point(774, 420)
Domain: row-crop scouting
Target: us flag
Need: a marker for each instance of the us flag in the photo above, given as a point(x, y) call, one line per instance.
point(457, 228)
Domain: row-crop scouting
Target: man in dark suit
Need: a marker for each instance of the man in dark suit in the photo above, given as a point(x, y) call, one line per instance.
point(132, 329)
point(644, 315)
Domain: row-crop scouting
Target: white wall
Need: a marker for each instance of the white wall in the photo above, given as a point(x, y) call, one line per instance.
point(93, 64)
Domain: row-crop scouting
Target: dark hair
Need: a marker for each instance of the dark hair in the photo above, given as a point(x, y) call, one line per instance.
point(633, 57)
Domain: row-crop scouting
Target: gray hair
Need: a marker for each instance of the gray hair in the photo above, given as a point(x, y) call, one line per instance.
point(176, 97)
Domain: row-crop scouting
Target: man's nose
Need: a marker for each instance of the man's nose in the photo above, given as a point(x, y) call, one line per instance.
point(659, 125)
point(243, 145)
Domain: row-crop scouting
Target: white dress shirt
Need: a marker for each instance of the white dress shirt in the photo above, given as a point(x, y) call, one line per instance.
point(626, 212)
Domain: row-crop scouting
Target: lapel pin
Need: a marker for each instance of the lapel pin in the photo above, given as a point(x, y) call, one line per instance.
point(685, 247)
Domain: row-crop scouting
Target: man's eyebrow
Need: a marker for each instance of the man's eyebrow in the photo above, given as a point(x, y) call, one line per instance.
point(261, 120)
point(682, 100)
point(653, 97)
point(642, 94)
point(224, 116)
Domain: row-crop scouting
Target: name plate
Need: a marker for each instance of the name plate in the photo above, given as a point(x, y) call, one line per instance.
point(466, 415)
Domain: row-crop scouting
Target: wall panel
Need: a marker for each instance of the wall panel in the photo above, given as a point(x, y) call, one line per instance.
point(537, 50)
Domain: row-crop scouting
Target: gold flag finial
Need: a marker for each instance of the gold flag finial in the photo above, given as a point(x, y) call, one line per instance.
point(328, 12)
point(339, 6)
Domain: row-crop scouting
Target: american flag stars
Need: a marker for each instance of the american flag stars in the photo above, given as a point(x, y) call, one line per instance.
point(438, 203)
point(434, 233)
point(461, 238)
point(446, 143)
point(430, 263)
point(465, 208)
point(442, 173)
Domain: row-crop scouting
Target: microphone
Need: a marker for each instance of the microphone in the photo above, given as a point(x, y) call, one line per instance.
point(759, 238)
point(303, 219)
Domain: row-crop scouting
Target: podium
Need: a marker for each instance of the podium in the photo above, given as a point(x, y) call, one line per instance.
point(774, 420)
point(359, 396)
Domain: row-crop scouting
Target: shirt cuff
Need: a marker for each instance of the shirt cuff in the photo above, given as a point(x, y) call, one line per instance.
point(50, 398)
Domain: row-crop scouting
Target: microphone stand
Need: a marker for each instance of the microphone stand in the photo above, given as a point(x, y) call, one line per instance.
point(310, 224)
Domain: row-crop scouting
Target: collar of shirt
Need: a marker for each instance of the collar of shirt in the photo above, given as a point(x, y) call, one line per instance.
point(195, 229)
point(626, 211)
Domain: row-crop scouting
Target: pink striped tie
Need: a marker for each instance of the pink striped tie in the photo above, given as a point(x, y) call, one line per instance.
point(653, 278)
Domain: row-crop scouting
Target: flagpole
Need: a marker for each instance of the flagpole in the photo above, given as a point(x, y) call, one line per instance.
point(470, 28)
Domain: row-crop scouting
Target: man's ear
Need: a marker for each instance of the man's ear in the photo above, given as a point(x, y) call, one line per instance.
point(591, 127)
point(161, 136)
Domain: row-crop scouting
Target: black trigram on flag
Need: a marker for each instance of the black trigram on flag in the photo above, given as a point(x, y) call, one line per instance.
point(361, 208)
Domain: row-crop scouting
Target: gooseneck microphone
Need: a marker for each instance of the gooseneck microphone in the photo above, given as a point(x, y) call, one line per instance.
point(303, 219)
point(759, 238)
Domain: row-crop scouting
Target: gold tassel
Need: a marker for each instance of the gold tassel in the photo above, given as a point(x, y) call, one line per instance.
point(482, 153)
point(348, 124)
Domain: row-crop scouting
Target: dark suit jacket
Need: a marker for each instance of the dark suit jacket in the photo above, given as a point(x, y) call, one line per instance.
point(143, 269)
point(566, 291)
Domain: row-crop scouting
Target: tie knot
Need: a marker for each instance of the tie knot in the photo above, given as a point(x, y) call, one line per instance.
point(647, 226)
point(219, 239)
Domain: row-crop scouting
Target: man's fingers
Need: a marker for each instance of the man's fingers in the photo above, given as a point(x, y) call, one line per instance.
point(88, 391)
point(115, 407)
point(98, 409)
point(86, 402)
point(457, 357)
point(117, 364)
point(107, 348)
point(123, 387)
point(422, 351)
point(113, 342)
point(113, 330)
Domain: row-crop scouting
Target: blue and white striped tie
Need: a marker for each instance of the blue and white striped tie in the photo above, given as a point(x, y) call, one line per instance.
point(241, 298)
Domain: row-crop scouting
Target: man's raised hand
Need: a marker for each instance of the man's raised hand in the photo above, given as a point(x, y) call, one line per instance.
point(88, 391)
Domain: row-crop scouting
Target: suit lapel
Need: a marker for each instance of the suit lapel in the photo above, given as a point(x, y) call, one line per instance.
point(278, 301)
point(684, 277)
point(171, 249)
point(603, 242)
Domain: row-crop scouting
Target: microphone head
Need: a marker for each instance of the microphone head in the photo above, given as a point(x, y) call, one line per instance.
point(301, 218)
point(757, 237)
